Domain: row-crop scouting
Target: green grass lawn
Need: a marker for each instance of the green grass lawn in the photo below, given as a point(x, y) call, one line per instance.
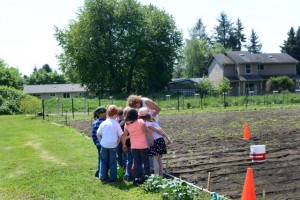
point(41, 160)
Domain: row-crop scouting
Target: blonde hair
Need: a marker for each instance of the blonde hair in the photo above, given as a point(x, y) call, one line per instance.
point(125, 111)
point(133, 100)
point(120, 112)
point(112, 110)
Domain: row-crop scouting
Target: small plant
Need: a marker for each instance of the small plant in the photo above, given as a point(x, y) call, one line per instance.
point(178, 189)
point(171, 189)
point(188, 105)
point(154, 183)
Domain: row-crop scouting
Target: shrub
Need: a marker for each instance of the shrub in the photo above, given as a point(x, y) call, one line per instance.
point(11, 101)
point(30, 105)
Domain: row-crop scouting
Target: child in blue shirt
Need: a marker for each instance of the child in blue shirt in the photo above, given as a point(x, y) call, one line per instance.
point(99, 117)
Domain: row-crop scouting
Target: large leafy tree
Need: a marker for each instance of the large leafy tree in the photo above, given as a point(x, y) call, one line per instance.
point(45, 75)
point(120, 46)
point(291, 45)
point(254, 44)
point(10, 76)
point(195, 56)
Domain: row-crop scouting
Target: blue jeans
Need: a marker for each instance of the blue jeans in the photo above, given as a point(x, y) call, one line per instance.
point(108, 161)
point(121, 156)
point(98, 169)
point(129, 162)
point(140, 159)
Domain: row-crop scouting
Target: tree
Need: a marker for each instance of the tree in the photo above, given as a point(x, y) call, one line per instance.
point(45, 75)
point(195, 55)
point(10, 76)
point(254, 45)
point(291, 46)
point(120, 47)
point(204, 88)
point(240, 37)
point(224, 32)
point(47, 68)
point(198, 31)
point(223, 87)
point(281, 83)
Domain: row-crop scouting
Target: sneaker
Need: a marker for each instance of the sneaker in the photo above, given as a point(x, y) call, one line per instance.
point(138, 181)
point(104, 181)
point(97, 174)
point(127, 178)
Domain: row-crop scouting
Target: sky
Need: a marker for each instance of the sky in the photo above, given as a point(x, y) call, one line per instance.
point(27, 26)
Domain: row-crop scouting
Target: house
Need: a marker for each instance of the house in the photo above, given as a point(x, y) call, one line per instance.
point(186, 86)
point(248, 73)
point(56, 90)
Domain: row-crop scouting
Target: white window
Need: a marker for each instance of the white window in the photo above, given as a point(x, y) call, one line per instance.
point(248, 69)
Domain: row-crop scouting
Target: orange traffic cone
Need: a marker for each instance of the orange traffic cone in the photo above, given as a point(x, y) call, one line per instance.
point(246, 131)
point(249, 190)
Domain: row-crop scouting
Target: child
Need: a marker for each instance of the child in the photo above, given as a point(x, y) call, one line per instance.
point(139, 147)
point(159, 148)
point(99, 117)
point(128, 154)
point(110, 133)
point(121, 156)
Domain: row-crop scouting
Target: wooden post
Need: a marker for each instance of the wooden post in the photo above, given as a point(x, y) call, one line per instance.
point(208, 182)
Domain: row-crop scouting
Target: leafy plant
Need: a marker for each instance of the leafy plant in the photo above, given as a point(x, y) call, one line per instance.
point(170, 188)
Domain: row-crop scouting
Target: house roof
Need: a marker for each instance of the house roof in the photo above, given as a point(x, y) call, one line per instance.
point(242, 57)
point(53, 88)
point(178, 80)
point(223, 59)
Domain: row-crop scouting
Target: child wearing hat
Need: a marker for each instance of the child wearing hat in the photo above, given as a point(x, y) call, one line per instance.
point(99, 117)
point(159, 147)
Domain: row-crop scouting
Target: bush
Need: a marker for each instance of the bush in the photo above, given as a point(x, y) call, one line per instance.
point(13, 101)
point(30, 105)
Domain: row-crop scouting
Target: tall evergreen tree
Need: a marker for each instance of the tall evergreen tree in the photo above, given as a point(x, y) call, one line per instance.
point(239, 35)
point(291, 45)
point(254, 45)
point(199, 31)
point(224, 32)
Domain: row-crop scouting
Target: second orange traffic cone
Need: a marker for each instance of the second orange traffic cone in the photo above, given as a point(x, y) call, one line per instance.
point(246, 131)
point(249, 189)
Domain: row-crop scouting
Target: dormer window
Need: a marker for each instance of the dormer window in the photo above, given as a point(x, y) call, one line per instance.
point(248, 69)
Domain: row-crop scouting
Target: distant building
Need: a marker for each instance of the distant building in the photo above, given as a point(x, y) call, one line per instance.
point(56, 90)
point(248, 73)
point(185, 86)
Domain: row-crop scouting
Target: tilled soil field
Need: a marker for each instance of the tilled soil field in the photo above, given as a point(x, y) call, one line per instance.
point(213, 142)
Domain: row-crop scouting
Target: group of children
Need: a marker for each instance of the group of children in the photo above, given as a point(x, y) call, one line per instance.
point(135, 132)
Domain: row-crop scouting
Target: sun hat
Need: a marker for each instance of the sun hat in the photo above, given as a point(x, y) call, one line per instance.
point(143, 111)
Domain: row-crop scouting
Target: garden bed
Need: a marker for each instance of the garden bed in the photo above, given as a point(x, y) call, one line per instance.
point(212, 142)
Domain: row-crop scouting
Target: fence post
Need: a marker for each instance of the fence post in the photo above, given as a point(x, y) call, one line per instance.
point(43, 108)
point(73, 107)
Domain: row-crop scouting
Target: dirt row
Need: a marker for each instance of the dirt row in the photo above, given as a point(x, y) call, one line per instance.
point(212, 142)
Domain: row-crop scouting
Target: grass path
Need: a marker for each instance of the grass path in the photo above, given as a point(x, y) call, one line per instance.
point(40, 160)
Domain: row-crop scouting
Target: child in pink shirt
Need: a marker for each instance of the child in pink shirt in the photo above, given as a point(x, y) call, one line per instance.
point(137, 133)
